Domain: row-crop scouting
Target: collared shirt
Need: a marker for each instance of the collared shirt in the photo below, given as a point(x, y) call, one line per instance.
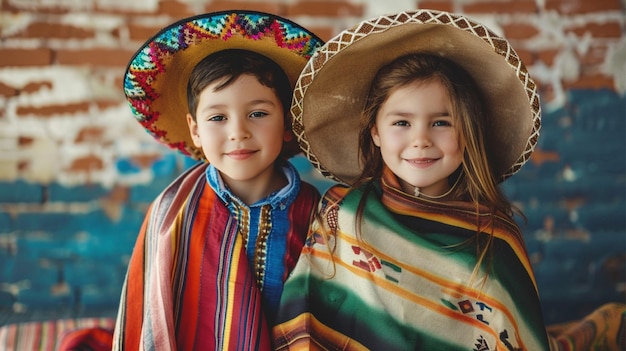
point(264, 226)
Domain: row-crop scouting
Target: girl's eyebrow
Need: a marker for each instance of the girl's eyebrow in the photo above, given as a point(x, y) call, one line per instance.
point(402, 113)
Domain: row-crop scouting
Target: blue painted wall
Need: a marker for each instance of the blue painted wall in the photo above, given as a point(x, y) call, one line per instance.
point(70, 259)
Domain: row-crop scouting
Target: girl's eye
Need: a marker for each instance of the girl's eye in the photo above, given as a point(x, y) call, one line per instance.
point(401, 123)
point(258, 114)
point(442, 124)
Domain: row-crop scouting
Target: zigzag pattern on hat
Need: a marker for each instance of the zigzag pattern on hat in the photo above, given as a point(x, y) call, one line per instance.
point(148, 63)
point(383, 23)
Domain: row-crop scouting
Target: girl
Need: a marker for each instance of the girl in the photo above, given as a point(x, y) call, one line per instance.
point(421, 252)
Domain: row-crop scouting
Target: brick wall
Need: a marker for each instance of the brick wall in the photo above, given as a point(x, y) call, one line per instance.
point(77, 172)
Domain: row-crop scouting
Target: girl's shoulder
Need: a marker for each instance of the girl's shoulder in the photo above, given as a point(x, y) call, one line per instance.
point(336, 192)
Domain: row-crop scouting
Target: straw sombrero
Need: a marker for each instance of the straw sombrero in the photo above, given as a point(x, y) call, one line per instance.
point(331, 91)
point(156, 78)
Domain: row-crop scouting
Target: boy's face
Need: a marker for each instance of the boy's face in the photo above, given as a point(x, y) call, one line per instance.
point(240, 129)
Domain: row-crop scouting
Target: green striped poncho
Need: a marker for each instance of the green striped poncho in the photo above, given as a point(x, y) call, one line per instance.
point(404, 284)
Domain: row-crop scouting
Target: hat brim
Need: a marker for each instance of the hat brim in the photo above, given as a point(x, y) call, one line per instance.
point(156, 78)
point(330, 94)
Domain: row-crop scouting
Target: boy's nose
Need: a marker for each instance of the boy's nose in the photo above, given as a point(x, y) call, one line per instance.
point(239, 131)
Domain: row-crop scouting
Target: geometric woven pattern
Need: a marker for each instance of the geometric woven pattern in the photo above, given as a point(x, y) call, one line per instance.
point(384, 23)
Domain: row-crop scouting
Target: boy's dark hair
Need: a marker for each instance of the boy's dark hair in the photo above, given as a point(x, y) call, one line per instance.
point(229, 65)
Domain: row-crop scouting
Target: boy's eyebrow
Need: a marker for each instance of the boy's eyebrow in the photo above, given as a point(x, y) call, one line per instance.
point(249, 103)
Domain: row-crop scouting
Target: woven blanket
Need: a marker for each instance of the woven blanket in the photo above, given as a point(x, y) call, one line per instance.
point(405, 283)
point(48, 335)
point(190, 285)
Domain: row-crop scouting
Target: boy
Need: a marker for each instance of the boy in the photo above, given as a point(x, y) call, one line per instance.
point(217, 244)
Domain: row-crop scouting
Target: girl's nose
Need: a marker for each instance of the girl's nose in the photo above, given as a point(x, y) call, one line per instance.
point(421, 137)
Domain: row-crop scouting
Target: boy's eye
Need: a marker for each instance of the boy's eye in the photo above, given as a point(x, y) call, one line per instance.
point(258, 114)
point(216, 118)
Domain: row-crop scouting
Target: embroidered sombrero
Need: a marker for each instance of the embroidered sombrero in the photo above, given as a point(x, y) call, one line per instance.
point(331, 91)
point(156, 78)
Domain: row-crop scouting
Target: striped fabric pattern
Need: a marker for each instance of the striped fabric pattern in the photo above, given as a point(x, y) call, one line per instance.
point(48, 335)
point(189, 284)
point(403, 285)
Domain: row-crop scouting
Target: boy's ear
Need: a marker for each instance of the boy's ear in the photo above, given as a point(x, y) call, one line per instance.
point(288, 136)
point(193, 130)
point(290, 145)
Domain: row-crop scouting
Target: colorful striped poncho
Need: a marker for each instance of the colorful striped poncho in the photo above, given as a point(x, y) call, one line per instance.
point(190, 284)
point(404, 283)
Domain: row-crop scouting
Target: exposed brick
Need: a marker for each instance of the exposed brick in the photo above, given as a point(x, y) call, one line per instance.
point(86, 164)
point(7, 91)
point(44, 30)
point(89, 135)
point(95, 57)
point(569, 7)
point(23, 165)
point(175, 9)
point(323, 32)
point(325, 8)
point(538, 157)
point(444, 5)
point(24, 140)
point(547, 56)
point(598, 30)
point(33, 87)
point(519, 31)
point(50, 110)
point(106, 104)
point(591, 81)
point(38, 7)
point(274, 7)
point(527, 57)
point(500, 7)
point(142, 33)
point(119, 194)
point(145, 160)
point(596, 55)
point(25, 57)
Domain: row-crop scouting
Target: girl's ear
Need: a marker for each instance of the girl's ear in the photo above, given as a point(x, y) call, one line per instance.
point(375, 136)
point(193, 130)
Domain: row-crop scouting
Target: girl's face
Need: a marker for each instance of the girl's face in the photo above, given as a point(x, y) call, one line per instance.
point(240, 129)
point(417, 137)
